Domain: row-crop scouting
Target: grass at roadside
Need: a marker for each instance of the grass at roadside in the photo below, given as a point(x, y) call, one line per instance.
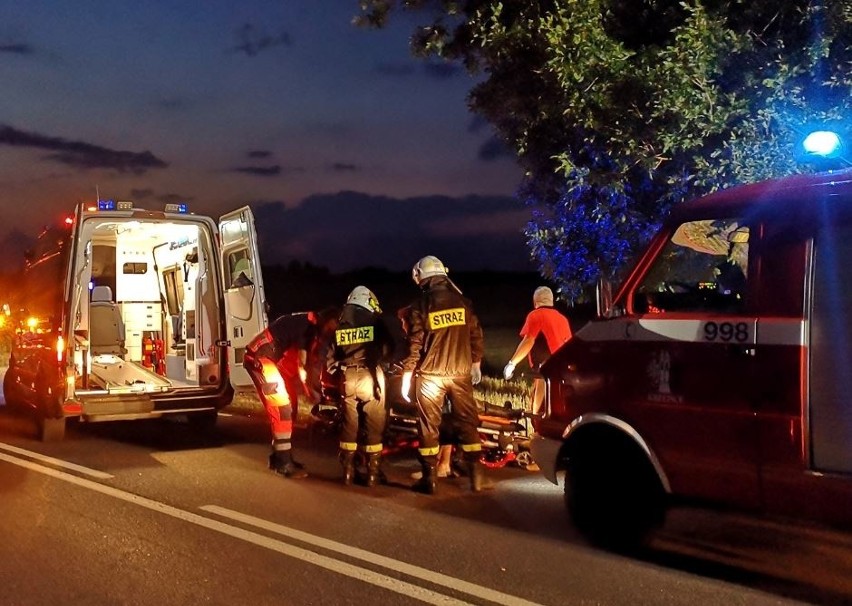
point(496, 392)
point(500, 344)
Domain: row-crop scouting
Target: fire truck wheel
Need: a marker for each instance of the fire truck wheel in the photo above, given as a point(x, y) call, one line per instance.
point(614, 496)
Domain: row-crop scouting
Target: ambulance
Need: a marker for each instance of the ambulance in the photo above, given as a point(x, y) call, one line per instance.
point(136, 314)
point(719, 371)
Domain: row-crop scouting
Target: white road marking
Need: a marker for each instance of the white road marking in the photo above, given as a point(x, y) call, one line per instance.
point(57, 462)
point(362, 574)
point(367, 556)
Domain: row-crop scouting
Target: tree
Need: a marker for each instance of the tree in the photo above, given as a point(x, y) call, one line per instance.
point(619, 109)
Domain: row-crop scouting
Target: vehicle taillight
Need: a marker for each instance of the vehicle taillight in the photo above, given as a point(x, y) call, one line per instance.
point(60, 348)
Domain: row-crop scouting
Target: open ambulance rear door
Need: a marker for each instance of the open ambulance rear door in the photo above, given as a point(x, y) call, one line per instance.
point(245, 301)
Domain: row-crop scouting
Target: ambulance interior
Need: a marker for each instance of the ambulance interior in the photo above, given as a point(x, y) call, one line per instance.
point(146, 308)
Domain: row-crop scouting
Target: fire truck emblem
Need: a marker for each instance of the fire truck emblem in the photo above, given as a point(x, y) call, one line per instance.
point(659, 374)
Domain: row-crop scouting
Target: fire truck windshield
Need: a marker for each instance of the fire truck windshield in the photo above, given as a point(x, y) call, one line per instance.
point(703, 267)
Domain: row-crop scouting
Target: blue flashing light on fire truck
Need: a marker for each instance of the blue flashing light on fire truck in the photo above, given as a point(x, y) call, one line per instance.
point(824, 143)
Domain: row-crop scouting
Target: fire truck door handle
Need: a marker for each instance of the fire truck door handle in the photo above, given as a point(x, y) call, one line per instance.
point(739, 350)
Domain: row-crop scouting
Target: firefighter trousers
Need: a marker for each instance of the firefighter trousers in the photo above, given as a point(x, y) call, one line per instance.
point(431, 391)
point(364, 416)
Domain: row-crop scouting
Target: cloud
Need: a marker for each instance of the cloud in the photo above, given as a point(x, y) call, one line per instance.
point(477, 123)
point(259, 171)
point(260, 153)
point(12, 246)
point(253, 41)
point(141, 194)
point(342, 167)
point(174, 198)
point(350, 230)
point(79, 154)
point(19, 48)
point(494, 149)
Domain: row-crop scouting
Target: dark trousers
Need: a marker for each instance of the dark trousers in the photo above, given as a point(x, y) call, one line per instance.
point(463, 416)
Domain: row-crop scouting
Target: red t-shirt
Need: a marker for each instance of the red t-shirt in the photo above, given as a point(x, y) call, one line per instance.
point(549, 328)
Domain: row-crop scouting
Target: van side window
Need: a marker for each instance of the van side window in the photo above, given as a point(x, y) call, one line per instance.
point(134, 268)
point(239, 269)
point(703, 267)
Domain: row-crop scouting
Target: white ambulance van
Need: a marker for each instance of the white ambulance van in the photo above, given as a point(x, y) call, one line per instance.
point(135, 314)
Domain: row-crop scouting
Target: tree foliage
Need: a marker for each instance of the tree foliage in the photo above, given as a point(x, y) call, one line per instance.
point(619, 109)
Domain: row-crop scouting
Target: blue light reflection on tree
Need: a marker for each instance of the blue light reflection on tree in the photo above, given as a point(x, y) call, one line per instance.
point(594, 229)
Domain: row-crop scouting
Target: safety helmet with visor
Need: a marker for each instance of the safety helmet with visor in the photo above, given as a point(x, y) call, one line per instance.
point(364, 297)
point(427, 267)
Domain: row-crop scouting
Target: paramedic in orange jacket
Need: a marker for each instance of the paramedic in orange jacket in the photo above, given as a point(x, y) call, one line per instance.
point(277, 361)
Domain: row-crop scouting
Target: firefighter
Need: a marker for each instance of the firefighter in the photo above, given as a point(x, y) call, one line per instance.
point(361, 341)
point(445, 352)
point(277, 361)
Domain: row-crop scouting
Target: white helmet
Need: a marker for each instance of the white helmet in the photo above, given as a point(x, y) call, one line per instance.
point(427, 267)
point(364, 297)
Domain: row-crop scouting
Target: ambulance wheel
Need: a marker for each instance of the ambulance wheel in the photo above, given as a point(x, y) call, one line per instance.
point(203, 421)
point(51, 422)
point(614, 496)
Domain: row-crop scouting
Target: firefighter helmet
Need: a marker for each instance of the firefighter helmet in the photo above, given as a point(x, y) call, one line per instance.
point(427, 267)
point(364, 297)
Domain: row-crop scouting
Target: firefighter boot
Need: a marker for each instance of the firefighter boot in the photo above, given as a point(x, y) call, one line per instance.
point(428, 484)
point(281, 462)
point(374, 470)
point(347, 461)
point(478, 481)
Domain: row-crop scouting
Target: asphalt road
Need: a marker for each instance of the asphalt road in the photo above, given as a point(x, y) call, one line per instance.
point(150, 513)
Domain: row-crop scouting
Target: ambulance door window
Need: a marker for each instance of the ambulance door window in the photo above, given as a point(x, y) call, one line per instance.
point(104, 266)
point(703, 267)
point(239, 269)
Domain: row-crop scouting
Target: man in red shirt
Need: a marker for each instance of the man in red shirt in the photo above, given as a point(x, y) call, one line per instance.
point(544, 331)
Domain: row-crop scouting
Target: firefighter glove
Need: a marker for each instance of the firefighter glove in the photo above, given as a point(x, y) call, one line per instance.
point(303, 374)
point(509, 370)
point(475, 374)
point(406, 385)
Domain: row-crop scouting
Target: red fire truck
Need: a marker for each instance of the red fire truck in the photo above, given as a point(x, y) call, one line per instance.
point(720, 370)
